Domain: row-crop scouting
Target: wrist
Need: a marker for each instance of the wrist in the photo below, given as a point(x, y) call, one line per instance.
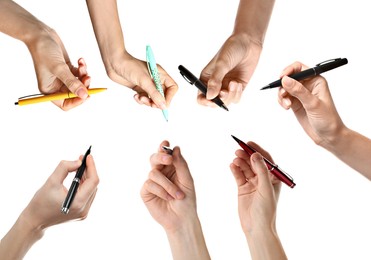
point(338, 136)
point(187, 242)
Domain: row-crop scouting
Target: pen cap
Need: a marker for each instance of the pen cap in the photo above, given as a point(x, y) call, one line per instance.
point(331, 64)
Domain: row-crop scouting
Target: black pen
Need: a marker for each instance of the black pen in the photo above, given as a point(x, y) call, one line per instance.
point(192, 79)
point(318, 69)
point(75, 184)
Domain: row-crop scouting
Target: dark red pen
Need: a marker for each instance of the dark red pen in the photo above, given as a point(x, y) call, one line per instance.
point(273, 168)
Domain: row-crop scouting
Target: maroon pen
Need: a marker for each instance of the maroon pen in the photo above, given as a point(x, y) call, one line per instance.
point(273, 168)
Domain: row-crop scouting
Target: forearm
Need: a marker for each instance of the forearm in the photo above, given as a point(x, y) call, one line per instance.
point(353, 149)
point(20, 238)
point(188, 242)
point(252, 19)
point(265, 245)
point(18, 23)
point(107, 28)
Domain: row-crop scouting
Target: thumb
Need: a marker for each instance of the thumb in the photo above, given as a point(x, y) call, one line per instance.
point(261, 170)
point(182, 169)
point(296, 89)
point(215, 82)
point(71, 82)
point(149, 87)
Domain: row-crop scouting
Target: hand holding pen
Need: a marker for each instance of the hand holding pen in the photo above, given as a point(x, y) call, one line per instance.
point(193, 80)
point(258, 193)
point(273, 168)
point(44, 208)
point(74, 188)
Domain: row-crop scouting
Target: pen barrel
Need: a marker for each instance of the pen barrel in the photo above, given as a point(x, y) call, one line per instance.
point(70, 196)
point(281, 175)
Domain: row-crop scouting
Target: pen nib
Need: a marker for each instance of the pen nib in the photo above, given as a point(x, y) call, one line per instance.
point(266, 87)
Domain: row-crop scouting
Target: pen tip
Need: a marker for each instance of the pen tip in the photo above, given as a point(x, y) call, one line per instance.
point(225, 108)
point(266, 87)
point(235, 138)
point(16, 103)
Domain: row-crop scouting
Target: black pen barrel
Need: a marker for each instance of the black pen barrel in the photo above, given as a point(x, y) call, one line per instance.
point(70, 196)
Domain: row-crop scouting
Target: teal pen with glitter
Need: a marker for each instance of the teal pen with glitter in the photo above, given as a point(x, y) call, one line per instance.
point(152, 68)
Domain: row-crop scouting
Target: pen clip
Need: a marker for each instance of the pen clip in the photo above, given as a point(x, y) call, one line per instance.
point(185, 77)
point(33, 95)
point(327, 61)
point(288, 175)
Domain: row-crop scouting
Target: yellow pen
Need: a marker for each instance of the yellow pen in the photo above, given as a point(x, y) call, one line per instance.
point(56, 96)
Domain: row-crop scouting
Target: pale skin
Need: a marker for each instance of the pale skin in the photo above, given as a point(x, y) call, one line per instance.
point(258, 192)
point(54, 70)
point(230, 70)
point(169, 195)
point(120, 65)
point(313, 106)
point(44, 209)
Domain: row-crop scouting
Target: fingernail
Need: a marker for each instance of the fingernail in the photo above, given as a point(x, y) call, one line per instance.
point(179, 195)
point(82, 93)
point(287, 81)
point(165, 159)
point(163, 106)
point(257, 157)
point(287, 102)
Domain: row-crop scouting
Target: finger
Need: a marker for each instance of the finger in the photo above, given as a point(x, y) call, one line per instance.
point(91, 182)
point(161, 180)
point(82, 69)
point(214, 85)
point(182, 170)
point(151, 187)
point(259, 149)
point(143, 99)
point(62, 170)
point(244, 167)
point(147, 84)
point(74, 85)
point(69, 103)
point(284, 98)
point(296, 89)
point(202, 100)
point(160, 158)
point(237, 174)
point(293, 68)
point(261, 170)
point(235, 92)
point(170, 86)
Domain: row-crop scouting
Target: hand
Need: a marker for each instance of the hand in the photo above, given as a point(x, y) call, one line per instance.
point(169, 192)
point(258, 190)
point(54, 71)
point(133, 73)
point(44, 210)
point(228, 73)
point(312, 105)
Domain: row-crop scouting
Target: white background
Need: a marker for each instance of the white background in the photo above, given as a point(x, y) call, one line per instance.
point(326, 216)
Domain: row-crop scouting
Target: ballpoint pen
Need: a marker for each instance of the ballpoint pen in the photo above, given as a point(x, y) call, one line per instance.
point(318, 69)
point(273, 168)
point(193, 80)
point(33, 99)
point(152, 68)
point(75, 185)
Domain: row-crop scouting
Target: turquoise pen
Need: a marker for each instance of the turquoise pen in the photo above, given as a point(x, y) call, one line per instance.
point(152, 68)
